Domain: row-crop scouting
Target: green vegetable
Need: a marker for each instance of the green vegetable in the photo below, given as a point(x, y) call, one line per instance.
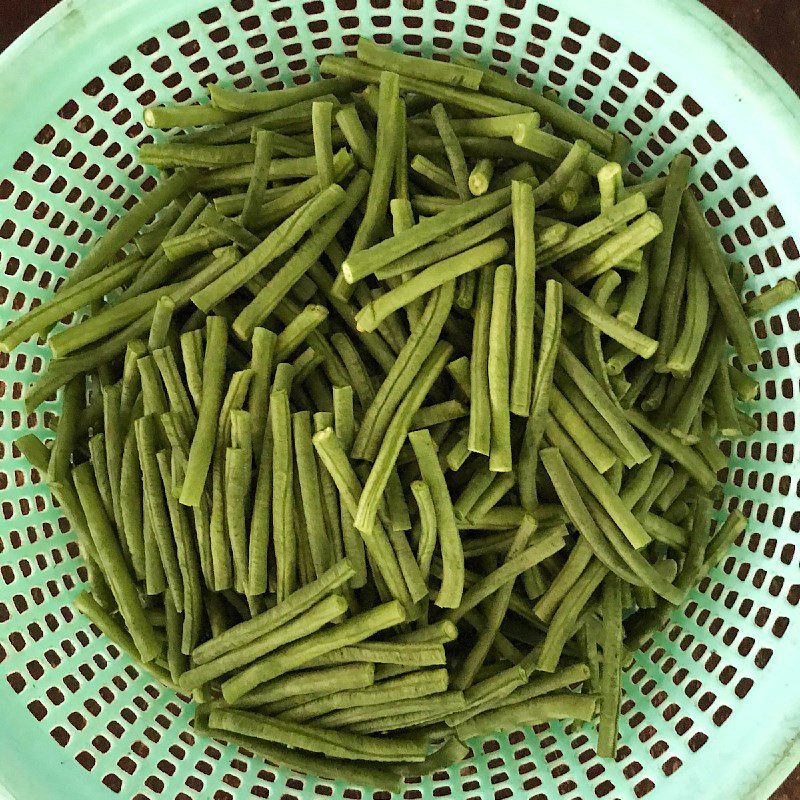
point(524, 213)
point(782, 291)
point(259, 102)
point(480, 429)
point(428, 279)
point(398, 423)
point(449, 595)
point(113, 565)
point(710, 258)
point(439, 71)
point(205, 435)
point(359, 141)
point(295, 655)
point(481, 177)
point(500, 458)
point(613, 657)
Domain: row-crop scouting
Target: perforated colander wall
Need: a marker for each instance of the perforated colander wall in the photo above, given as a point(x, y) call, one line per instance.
point(77, 712)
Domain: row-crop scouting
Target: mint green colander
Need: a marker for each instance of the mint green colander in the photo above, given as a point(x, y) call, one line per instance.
point(712, 705)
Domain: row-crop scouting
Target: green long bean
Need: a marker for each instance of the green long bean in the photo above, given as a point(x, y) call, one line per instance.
point(524, 212)
point(499, 368)
point(205, 436)
point(710, 258)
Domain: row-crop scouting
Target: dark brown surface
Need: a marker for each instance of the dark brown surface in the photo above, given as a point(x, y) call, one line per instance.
point(772, 26)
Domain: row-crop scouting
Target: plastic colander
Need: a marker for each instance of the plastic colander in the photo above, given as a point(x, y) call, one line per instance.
point(712, 704)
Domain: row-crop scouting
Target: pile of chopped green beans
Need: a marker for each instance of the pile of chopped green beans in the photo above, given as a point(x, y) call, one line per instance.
point(394, 419)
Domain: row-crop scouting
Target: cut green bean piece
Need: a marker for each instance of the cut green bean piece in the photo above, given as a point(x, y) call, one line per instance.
point(672, 298)
point(630, 337)
point(67, 301)
point(384, 560)
point(126, 227)
point(88, 605)
point(685, 352)
point(286, 235)
point(476, 102)
point(745, 386)
point(160, 527)
point(73, 402)
point(205, 436)
point(597, 485)
point(279, 615)
point(690, 403)
point(306, 624)
point(402, 374)
point(177, 395)
point(480, 178)
point(355, 772)
point(613, 657)
point(115, 569)
point(782, 291)
point(428, 534)
point(359, 265)
point(295, 655)
point(359, 141)
point(415, 685)
point(709, 255)
point(429, 416)
point(344, 421)
point(321, 119)
point(336, 744)
point(480, 415)
point(256, 186)
point(662, 248)
point(722, 398)
point(325, 681)
point(160, 326)
point(187, 561)
point(436, 179)
point(523, 210)
point(616, 249)
point(540, 709)
point(395, 433)
point(428, 279)
point(320, 545)
point(416, 654)
point(264, 342)
point(453, 151)
point(567, 615)
point(299, 329)
point(259, 102)
point(284, 539)
point(562, 118)
point(448, 246)
point(500, 459)
point(601, 291)
point(383, 171)
point(540, 402)
point(187, 116)
point(723, 539)
point(452, 586)
point(438, 71)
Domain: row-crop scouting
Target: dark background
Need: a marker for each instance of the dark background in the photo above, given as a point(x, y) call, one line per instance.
point(772, 26)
